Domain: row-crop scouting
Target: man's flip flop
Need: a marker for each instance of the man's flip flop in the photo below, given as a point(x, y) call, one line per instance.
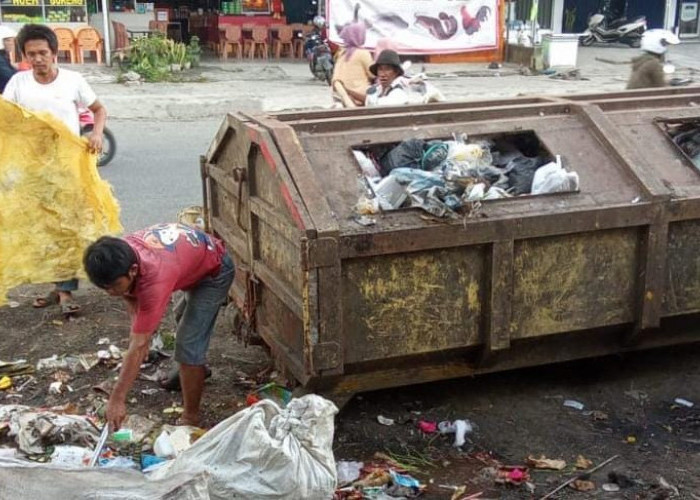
point(172, 381)
point(47, 300)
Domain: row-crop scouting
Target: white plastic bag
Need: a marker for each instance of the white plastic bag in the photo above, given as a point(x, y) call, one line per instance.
point(553, 178)
point(265, 452)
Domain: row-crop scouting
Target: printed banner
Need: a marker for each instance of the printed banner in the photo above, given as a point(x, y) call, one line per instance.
point(420, 26)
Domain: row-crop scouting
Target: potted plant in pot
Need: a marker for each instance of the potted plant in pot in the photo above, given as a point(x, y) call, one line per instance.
point(194, 51)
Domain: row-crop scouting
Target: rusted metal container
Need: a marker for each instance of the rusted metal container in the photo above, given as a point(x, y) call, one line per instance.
point(528, 280)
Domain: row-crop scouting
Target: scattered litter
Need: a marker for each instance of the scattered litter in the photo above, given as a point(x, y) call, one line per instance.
point(570, 403)
point(150, 391)
point(348, 471)
point(384, 420)
point(631, 439)
point(70, 456)
point(684, 402)
point(75, 364)
point(5, 383)
point(13, 304)
point(599, 415)
point(119, 463)
point(103, 341)
point(460, 428)
point(123, 435)
point(427, 427)
point(610, 487)
point(115, 352)
point(173, 409)
point(15, 368)
point(636, 200)
point(583, 463)
point(404, 480)
point(104, 354)
point(582, 485)
point(59, 388)
point(272, 391)
point(578, 477)
point(546, 463)
point(665, 485)
point(509, 474)
point(363, 220)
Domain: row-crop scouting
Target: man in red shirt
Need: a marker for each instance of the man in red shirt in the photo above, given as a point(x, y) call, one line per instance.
point(145, 268)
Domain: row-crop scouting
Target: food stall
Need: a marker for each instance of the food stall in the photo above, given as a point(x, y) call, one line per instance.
point(68, 13)
point(237, 12)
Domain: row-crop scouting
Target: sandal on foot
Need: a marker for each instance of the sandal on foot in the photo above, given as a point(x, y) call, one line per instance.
point(49, 299)
point(70, 307)
point(171, 382)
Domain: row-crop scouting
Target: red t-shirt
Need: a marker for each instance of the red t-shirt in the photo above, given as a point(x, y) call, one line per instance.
point(170, 257)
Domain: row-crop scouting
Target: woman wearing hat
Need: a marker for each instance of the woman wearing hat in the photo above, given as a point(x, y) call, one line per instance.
point(7, 36)
point(390, 87)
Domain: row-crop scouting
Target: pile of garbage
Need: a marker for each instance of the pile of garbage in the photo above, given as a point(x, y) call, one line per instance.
point(687, 137)
point(56, 452)
point(446, 177)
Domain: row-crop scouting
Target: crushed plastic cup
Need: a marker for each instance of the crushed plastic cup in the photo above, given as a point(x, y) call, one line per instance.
point(384, 420)
point(570, 403)
point(684, 402)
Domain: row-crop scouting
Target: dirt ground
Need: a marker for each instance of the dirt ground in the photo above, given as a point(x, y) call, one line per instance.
point(629, 409)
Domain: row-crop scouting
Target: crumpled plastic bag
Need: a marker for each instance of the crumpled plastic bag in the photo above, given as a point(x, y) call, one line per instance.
point(553, 178)
point(35, 430)
point(54, 203)
point(266, 452)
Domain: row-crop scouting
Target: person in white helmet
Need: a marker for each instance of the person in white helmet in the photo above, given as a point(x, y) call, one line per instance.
point(648, 69)
point(7, 69)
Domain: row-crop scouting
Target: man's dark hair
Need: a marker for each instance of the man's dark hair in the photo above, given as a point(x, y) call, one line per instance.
point(107, 259)
point(37, 32)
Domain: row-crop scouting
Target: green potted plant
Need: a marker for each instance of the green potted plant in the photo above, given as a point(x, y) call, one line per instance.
point(194, 51)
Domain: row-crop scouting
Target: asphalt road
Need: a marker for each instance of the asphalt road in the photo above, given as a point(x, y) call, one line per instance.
point(155, 172)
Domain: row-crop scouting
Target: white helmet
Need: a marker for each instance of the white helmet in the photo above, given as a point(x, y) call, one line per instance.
point(320, 22)
point(656, 41)
point(6, 32)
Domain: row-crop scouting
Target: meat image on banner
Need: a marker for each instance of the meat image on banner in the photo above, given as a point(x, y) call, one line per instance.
point(420, 26)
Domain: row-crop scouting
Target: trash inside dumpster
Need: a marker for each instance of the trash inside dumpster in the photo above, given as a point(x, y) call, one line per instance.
point(385, 247)
point(443, 177)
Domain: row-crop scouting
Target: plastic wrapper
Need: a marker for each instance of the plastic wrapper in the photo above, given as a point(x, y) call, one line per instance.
point(390, 193)
point(54, 203)
point(366, 164)
point(553, 178)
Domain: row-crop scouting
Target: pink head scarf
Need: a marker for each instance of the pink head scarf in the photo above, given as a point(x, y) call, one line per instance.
point(353, 36)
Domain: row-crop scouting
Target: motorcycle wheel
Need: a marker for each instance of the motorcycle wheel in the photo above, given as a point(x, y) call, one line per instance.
point(327, 71)
point(109, 145)
point(587, 41)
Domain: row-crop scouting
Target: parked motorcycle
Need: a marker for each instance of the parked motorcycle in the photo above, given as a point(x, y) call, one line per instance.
point(320, 57)
point(109, 143)
point(618, 31)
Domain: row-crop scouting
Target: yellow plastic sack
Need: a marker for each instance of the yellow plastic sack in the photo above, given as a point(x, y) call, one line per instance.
point(53, 203)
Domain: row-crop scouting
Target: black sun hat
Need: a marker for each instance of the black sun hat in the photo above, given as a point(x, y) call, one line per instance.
point(388, 57)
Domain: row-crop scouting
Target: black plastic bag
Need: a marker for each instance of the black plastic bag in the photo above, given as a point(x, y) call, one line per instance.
point(521, 170)
point(408, 153)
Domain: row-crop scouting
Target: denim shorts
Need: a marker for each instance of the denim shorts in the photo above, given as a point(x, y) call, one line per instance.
point(202, 305)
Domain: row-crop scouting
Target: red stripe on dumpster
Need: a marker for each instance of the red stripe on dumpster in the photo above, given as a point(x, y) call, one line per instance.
point(292, 207)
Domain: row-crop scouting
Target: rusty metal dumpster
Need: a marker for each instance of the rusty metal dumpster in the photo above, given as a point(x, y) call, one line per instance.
point(537, 279)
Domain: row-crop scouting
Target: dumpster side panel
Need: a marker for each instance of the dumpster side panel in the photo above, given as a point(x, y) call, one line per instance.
point(683, 275)
point(574, 282)
point(397, 305)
